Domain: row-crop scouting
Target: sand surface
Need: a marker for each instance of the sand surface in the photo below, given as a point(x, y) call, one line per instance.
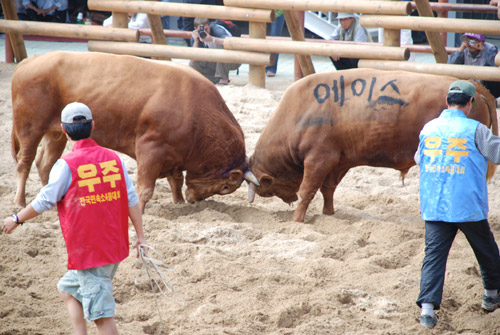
point(246, 268)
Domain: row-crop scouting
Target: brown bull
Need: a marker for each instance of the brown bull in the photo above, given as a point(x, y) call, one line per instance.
point(168, 117)
point(327, 123)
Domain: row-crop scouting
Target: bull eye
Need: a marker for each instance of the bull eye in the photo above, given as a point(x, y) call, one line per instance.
point(225, 188)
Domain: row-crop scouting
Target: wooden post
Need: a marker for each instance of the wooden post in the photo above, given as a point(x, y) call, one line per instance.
point(392, 37)
point(157, 31)
point(297, 33)
point(435, 41)
point(9, 54)
point(297, 69)
point(257, 73)
point(443, 13)
point(15, 40)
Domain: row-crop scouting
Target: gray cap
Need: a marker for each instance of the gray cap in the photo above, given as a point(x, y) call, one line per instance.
point(76, 109)
point(345, 15)
point(464, 87)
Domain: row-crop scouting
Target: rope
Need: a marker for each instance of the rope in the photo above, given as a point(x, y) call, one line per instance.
point(156, 273)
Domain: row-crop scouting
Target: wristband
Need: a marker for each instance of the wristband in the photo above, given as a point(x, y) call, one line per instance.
point(16, 219)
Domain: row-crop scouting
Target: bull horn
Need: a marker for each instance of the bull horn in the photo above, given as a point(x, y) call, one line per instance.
point(251, 192)
point(250, 177)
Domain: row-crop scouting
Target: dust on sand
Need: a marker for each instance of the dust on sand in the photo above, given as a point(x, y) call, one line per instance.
point(246, 268)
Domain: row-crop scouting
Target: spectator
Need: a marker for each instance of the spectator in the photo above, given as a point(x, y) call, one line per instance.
point(211, 35)
point(276, 29)
point(136, 21)
point(21, 10)
point(165, 19)
point(94, 197)
point(348, 29)
point(44, 10)
point(188, 22)
point(474, 50)
point(453, 155)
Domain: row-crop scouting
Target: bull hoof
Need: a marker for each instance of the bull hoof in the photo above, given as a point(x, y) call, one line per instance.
point(298, 217)
point(179, 201)
point(328, 211)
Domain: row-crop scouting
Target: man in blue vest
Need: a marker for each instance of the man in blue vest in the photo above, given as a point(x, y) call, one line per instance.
point(453, 154)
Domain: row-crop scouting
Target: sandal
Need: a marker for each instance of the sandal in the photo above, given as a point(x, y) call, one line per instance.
point(270, 74)
point(219, 83)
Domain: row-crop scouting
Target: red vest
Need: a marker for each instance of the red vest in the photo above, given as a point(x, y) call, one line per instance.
point(94, 211)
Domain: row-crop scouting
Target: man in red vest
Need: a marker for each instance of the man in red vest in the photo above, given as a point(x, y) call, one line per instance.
point(94, 197)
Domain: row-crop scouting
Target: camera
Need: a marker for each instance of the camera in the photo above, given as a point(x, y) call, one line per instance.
point(202, 33)
point(472, 42)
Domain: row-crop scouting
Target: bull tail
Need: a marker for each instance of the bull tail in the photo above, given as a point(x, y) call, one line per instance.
point(490, 172)
point(403, 175)
point(15, 145)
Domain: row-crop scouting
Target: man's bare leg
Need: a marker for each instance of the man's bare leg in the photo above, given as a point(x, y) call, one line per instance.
point(75, 311)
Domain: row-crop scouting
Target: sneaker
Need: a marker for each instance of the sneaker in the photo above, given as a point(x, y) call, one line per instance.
point(490, 303)
point(428, 321)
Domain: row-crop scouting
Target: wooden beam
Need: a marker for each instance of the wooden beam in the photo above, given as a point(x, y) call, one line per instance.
point(372, 51)
point(488, 27)
point(366, 7)
point(472, 72)
point(184, 10)
point(172, 51)
point(69, 30)
point(434, 38)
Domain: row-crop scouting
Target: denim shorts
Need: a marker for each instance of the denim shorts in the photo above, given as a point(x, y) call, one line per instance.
point(93, 288)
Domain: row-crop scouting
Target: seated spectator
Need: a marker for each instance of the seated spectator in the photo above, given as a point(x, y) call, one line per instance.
point(45, 10)
point(136, 21)
point(348, 29)
point(211, 35)
point(474, 50)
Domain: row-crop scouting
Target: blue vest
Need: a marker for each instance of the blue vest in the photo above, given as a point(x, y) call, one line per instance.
point(452, 170)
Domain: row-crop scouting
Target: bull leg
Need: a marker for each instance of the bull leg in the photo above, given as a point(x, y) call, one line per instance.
point(146, 179)
point(176, 180)
point(314, 175)
point(53, 145)
point(328, 190)
point(28, 144)
point(150, 163)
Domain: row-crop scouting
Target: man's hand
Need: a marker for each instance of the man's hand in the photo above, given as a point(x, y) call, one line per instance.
point(463, 46)
point(138, 243)
point(9, 225)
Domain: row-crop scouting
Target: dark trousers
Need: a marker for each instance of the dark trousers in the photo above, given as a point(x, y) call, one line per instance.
point(494, 87)
point(345, 63)
point(59, 16)
point(439, 237)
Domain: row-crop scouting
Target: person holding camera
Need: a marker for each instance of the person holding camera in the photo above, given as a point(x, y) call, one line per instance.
point(474, 50)
point(211, 35)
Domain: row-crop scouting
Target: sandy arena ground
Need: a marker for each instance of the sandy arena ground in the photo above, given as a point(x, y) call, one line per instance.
point(246, 268)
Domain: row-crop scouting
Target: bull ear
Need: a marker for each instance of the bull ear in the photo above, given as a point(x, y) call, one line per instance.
point(235, 174)
point(266, 180)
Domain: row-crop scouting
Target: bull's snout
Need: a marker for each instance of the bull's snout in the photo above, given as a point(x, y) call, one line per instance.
point(191, 196)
